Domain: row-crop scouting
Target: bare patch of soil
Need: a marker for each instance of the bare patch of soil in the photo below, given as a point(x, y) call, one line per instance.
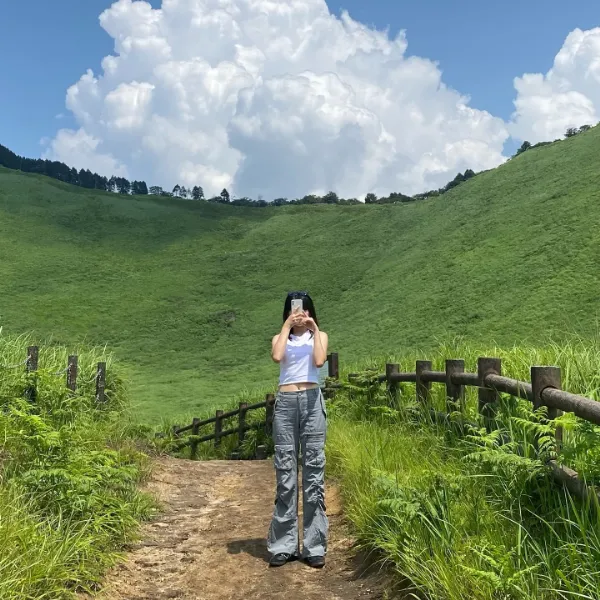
point(210, 543)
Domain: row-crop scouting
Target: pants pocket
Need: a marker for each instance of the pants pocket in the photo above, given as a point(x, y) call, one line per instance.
point(315, 450)
point(285, 476)
point(313, 478)
point(284, 457)
point(315, 457)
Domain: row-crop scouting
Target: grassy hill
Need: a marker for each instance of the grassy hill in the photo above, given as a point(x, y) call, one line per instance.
point(188, 294)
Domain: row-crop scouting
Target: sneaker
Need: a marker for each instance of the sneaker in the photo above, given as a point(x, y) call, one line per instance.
point(278, 560)
point(317, 562)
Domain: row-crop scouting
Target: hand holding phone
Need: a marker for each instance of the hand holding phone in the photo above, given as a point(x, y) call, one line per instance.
point(296, 305)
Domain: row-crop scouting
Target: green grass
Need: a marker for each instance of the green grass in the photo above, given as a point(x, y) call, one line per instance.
point(69, 475)
point(189, 294)
point(463, 516)
point(454, 530)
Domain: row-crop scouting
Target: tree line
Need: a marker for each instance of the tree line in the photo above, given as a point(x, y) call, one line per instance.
point(120, 185)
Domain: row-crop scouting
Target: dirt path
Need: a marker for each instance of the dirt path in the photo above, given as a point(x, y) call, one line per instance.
point(210, 542)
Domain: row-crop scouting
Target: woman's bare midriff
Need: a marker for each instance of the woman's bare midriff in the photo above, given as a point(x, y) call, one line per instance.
point(297, 387)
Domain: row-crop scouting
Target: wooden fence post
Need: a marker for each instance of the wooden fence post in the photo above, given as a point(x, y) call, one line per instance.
point(195, 431)
point(333, 366)
point(72, 373)
point(242, 422)
point(101, 383)
point(333, 372)
point(32, 366)
point(270, 400)
point(423, 387)
point(218, 427)
point(392, 386)
point(455, 394)
point(487, 398)
point(542, 378)
point(32, 358)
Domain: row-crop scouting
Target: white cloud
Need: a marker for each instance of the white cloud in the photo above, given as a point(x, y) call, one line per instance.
point(80, 150)
point(567, 96)
point(128, 106)
point(271, 97)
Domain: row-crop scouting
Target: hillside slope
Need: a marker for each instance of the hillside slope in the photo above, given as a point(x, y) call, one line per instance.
point(189, 294)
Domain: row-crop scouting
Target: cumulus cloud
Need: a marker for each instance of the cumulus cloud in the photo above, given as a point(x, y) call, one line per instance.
point(567, 96)
point(81, 150)
point(270, 97)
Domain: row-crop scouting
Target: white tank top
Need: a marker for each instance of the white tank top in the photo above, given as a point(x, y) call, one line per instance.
point(297, 366)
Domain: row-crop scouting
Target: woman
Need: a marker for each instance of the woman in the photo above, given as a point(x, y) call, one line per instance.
point(299, 420)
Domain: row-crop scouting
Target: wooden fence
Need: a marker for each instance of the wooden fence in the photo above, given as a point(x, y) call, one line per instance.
point(241, 412)
point(544, 389)
point(71, 373)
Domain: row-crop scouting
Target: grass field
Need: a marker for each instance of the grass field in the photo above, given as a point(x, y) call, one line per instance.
point(188, 294)
point(69, 476)
point(466, 516)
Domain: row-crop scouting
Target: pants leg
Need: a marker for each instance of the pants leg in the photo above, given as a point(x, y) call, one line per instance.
point(283, 532)
point(313, 430)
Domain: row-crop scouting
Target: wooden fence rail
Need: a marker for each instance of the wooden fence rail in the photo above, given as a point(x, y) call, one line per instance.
point(546, 379)
point(543, 390)
point(242, 411)
point(71, 373)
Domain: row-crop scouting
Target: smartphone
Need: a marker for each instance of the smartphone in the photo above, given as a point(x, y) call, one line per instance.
point(296, 304)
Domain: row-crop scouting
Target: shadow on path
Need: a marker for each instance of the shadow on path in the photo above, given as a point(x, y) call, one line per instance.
point(256, 547)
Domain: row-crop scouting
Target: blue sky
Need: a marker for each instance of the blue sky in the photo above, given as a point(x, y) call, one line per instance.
point(480, 47)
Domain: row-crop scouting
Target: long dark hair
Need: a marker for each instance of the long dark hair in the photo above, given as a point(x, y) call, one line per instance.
point(307, 304)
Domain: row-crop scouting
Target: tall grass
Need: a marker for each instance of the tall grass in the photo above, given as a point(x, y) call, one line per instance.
point(69, 474)
point(471, 515)
point(578, 358)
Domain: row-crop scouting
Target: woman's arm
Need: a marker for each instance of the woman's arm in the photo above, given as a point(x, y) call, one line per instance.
point(279, 342)
point(278, 346)
point(321, 342)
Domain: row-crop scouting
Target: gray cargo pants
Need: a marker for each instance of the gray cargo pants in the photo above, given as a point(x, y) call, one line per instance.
point(299, 419)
